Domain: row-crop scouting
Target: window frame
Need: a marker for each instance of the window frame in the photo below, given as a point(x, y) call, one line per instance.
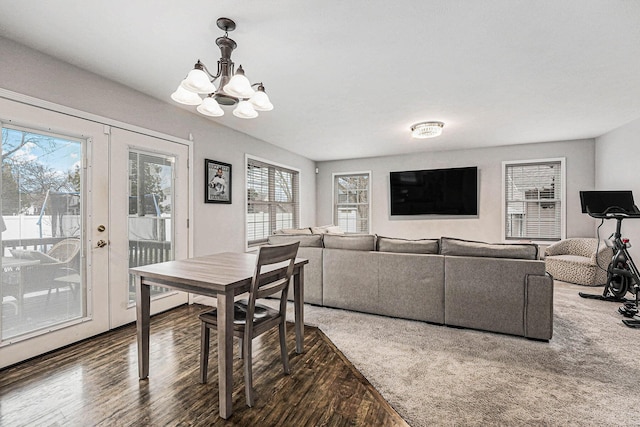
point(562, 201)
point(334, 205)
point(255, 244)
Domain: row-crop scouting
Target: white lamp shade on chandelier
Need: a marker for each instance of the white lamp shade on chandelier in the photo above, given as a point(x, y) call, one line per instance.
point(210, 107)
point(245, 110)
point(238, 90)
point(197, 81)
point(186, 97)
point(239, 86)
point(260, 100)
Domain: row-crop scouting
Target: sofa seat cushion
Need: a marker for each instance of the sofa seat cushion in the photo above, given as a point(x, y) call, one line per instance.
point(573, 259)
point(419, 246)
point(354, 242)
point(459, 247)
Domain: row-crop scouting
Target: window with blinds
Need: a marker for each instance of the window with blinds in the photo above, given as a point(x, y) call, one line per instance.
point(272, 199)
point(352, 202)
point(534, 200)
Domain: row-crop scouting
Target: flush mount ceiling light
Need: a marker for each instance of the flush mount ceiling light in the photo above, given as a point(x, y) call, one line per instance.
point(233, 87)
point(426, 129)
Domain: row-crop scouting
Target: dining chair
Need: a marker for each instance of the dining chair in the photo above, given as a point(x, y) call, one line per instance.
point(252, 319)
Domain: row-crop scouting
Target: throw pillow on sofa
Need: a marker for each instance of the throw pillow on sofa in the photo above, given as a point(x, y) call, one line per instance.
point(419, 246)
point(306, 240)
point(304, 230)
point(326, 229)
point(459, 247)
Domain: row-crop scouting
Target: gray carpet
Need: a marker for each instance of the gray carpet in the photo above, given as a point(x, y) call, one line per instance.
point(435, 375)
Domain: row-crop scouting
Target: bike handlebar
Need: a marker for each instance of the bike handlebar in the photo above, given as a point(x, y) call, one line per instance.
point(613, 212)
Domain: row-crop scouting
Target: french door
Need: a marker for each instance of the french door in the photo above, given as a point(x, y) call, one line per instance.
point(81, 203)
point(154, 174)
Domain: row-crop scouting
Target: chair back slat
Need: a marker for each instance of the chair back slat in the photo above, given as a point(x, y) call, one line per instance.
point(273, 254)
point(271, 288)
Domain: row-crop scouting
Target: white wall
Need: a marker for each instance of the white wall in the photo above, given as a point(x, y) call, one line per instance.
point(488, 225)
point(618, 168)
point(217, 227)
point(221, 227)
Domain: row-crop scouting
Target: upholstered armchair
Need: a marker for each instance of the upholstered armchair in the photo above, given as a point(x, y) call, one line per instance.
point(578, 260)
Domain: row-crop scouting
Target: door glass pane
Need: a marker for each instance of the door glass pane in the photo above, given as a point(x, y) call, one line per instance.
point(41, 283)
point(150, 208)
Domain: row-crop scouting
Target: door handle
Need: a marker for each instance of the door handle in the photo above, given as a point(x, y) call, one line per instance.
point(101, 243)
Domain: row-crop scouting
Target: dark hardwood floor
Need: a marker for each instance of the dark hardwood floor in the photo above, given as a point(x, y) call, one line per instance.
point(95, 383)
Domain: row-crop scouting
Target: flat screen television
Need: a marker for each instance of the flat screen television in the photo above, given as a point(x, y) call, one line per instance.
point(451, 191)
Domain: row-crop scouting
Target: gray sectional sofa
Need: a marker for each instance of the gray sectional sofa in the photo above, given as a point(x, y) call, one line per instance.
point(494, 287)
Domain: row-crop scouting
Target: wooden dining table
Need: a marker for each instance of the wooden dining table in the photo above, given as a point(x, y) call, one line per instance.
point(223, 276)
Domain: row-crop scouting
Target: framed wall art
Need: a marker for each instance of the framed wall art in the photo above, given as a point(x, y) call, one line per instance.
point(217, 182)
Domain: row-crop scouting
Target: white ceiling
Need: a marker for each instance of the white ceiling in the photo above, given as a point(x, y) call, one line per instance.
point(348, 78)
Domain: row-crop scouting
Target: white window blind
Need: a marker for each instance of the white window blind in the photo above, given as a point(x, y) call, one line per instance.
point(272, 200)
point(352, 202)
point(534, 200)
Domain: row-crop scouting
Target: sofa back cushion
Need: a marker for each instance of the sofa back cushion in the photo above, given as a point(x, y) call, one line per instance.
point(354, 242)
point(459, 247)
point(306, 240)
point(419, 246)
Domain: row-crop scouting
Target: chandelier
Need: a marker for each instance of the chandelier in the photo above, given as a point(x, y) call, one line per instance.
point(232, 85)
point(426, 129)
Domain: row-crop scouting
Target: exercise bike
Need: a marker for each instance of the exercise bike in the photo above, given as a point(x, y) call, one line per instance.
point(622, 274)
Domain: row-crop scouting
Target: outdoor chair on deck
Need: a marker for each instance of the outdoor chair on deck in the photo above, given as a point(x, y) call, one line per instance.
point(62, 260)
point(251, 319)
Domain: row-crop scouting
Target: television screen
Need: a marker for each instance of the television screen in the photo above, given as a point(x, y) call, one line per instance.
point(435, 192)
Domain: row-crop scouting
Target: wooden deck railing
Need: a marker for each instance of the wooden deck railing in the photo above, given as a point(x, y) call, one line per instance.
point(144, 252)
point(42, 245)
point(141, 252)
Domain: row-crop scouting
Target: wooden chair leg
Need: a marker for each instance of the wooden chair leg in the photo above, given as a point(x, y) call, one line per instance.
point(283, 348)
point(240, 340)
point(204, 352)
point(248, 372)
